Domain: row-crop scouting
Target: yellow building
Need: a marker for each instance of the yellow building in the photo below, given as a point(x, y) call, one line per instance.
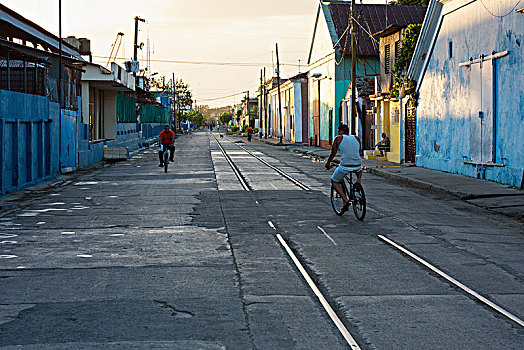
point(388, 121)
point(389, 116)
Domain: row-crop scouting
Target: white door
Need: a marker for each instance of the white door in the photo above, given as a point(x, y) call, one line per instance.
point(481, 102)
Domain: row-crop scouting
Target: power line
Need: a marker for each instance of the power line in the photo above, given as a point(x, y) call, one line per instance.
point(214, 63)
point(220, 98)
point(500, 16)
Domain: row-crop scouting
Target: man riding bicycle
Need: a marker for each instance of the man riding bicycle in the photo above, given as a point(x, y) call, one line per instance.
point(166, 139)
point(349, 147)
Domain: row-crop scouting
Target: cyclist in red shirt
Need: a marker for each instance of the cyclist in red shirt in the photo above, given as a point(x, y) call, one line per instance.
point(167, 139)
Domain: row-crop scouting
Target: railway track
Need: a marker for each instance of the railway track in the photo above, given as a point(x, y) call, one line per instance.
point(300, 265)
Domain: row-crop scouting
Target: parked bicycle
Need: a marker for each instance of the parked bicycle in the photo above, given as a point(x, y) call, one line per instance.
point(354, 192)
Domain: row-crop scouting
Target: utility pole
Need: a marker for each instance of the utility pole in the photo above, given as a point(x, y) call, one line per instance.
point(248, 112)
point(279, 98)
point(136, 46)
point(59, 83)
point(174, 110)
point(354, 117)
point(261, 106)
point(266, 127)
point(60, 53)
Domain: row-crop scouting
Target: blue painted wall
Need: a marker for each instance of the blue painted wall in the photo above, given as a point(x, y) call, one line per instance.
point(29, 141)
point(68, 140)
point(449, 100)
point(130, 135)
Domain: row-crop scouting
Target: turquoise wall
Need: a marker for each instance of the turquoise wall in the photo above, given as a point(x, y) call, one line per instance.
point(333, 90)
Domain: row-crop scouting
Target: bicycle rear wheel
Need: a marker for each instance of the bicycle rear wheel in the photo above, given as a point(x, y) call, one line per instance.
point(166, 160)
point(336, 200)
point(359, 201)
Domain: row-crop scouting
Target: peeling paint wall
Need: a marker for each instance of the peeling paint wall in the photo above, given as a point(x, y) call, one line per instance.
point(450, 95)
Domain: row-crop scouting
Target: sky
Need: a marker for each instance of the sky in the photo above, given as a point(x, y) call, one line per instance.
point(234, 31)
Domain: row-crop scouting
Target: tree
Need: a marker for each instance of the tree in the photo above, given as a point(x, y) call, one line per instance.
point(225, 118)
point(409, 2)
point(409, 41)
point(183, 97)
point(196, 118)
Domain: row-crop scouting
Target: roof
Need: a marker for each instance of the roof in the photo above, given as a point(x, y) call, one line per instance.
point(425, 41)
point(374, 18)
point(14, 24)
point(392, 28)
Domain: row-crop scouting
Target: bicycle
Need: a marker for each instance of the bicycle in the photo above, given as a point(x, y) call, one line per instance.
point(165, 156)
point(355, 194)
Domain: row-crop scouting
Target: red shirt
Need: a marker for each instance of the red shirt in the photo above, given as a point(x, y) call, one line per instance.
point(166, 138)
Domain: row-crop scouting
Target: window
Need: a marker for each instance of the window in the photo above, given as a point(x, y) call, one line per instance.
point(386, 59)
point(397, 49)
point(394, 115)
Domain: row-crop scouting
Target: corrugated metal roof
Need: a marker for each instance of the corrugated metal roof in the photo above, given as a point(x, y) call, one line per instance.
point(373, 18)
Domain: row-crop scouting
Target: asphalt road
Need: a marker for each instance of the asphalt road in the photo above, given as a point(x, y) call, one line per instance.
point(127, 257)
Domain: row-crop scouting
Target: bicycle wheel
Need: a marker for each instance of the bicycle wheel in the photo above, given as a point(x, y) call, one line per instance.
point(359, 201)
point(336, 200)
point(166, 160)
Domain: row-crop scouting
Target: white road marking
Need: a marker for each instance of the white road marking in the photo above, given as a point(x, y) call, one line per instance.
point(8, 256)
point(257, 202)
point(273, 186)
point(454, 281)
point(345, 333)
point(68, 232)
point(272, 226)
point(324, 232)
point(84, 256)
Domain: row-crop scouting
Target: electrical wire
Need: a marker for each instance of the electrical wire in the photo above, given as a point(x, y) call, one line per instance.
point(238, 64)
point(500, 16)
point(345, 41)
point(376, 41)
point(221, 98)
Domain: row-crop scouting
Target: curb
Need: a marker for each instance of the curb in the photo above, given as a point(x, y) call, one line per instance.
point(48, 185)
point(414, 183)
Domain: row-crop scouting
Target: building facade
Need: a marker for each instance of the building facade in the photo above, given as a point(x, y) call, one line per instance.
point(468, 71)
point(329, 62)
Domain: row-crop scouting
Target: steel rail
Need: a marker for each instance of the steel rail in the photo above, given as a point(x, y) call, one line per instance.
point(336, 320)
point(296, 182)
point(454, 281)
point(243, 182)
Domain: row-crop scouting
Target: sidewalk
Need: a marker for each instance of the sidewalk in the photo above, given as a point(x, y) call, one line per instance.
point(482, 193)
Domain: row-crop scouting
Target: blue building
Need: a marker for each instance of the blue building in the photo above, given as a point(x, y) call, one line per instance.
point(37, 133)
point(468, 71)
point(44, 133)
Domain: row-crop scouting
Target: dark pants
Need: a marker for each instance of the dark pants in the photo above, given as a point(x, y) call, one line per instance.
point(171, 149)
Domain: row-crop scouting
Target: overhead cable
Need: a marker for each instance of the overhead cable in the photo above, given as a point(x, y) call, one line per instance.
point(214, 63)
